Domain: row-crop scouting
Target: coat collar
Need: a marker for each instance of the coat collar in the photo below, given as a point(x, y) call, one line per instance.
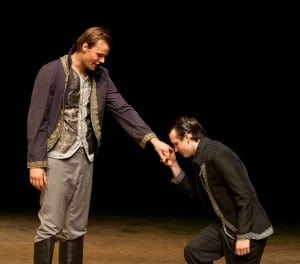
point(198, 158)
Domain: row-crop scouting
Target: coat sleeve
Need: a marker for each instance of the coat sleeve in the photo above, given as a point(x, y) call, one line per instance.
point(37, 119)
point(125, 115)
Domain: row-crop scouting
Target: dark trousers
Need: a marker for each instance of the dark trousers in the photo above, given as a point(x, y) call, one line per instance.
point(212, 243)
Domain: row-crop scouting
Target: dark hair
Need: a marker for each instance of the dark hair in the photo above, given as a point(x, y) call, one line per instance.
point(187, 124)
point(92, 35)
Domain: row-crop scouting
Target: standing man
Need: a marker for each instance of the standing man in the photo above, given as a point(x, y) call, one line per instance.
point(241, 225)
point(68, 101)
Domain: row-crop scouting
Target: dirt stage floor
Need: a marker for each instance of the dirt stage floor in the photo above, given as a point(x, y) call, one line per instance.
point(132, 240)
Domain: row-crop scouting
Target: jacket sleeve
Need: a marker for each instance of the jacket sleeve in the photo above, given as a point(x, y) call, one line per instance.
point(37, 119)
point(125, 115)
point(185, 185)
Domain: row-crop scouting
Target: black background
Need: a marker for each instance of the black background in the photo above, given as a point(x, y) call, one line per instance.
point(233, 67)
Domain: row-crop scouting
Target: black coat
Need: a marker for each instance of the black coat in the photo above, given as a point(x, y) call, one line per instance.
point(231, 193)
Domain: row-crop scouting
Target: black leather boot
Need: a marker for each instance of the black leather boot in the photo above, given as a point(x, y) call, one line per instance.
point(43, 251)
point(71, 251)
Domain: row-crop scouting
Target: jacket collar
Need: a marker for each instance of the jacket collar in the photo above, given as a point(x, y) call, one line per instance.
point(198, 158)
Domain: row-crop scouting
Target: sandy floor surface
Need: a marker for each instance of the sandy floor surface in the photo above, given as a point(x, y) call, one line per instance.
point(118, 241)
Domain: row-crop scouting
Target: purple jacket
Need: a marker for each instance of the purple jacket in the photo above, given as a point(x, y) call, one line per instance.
point(45, 115)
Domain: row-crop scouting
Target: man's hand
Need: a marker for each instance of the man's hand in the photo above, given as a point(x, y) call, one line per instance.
point(162, 148)
point(242, 247)
point(38, 178)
